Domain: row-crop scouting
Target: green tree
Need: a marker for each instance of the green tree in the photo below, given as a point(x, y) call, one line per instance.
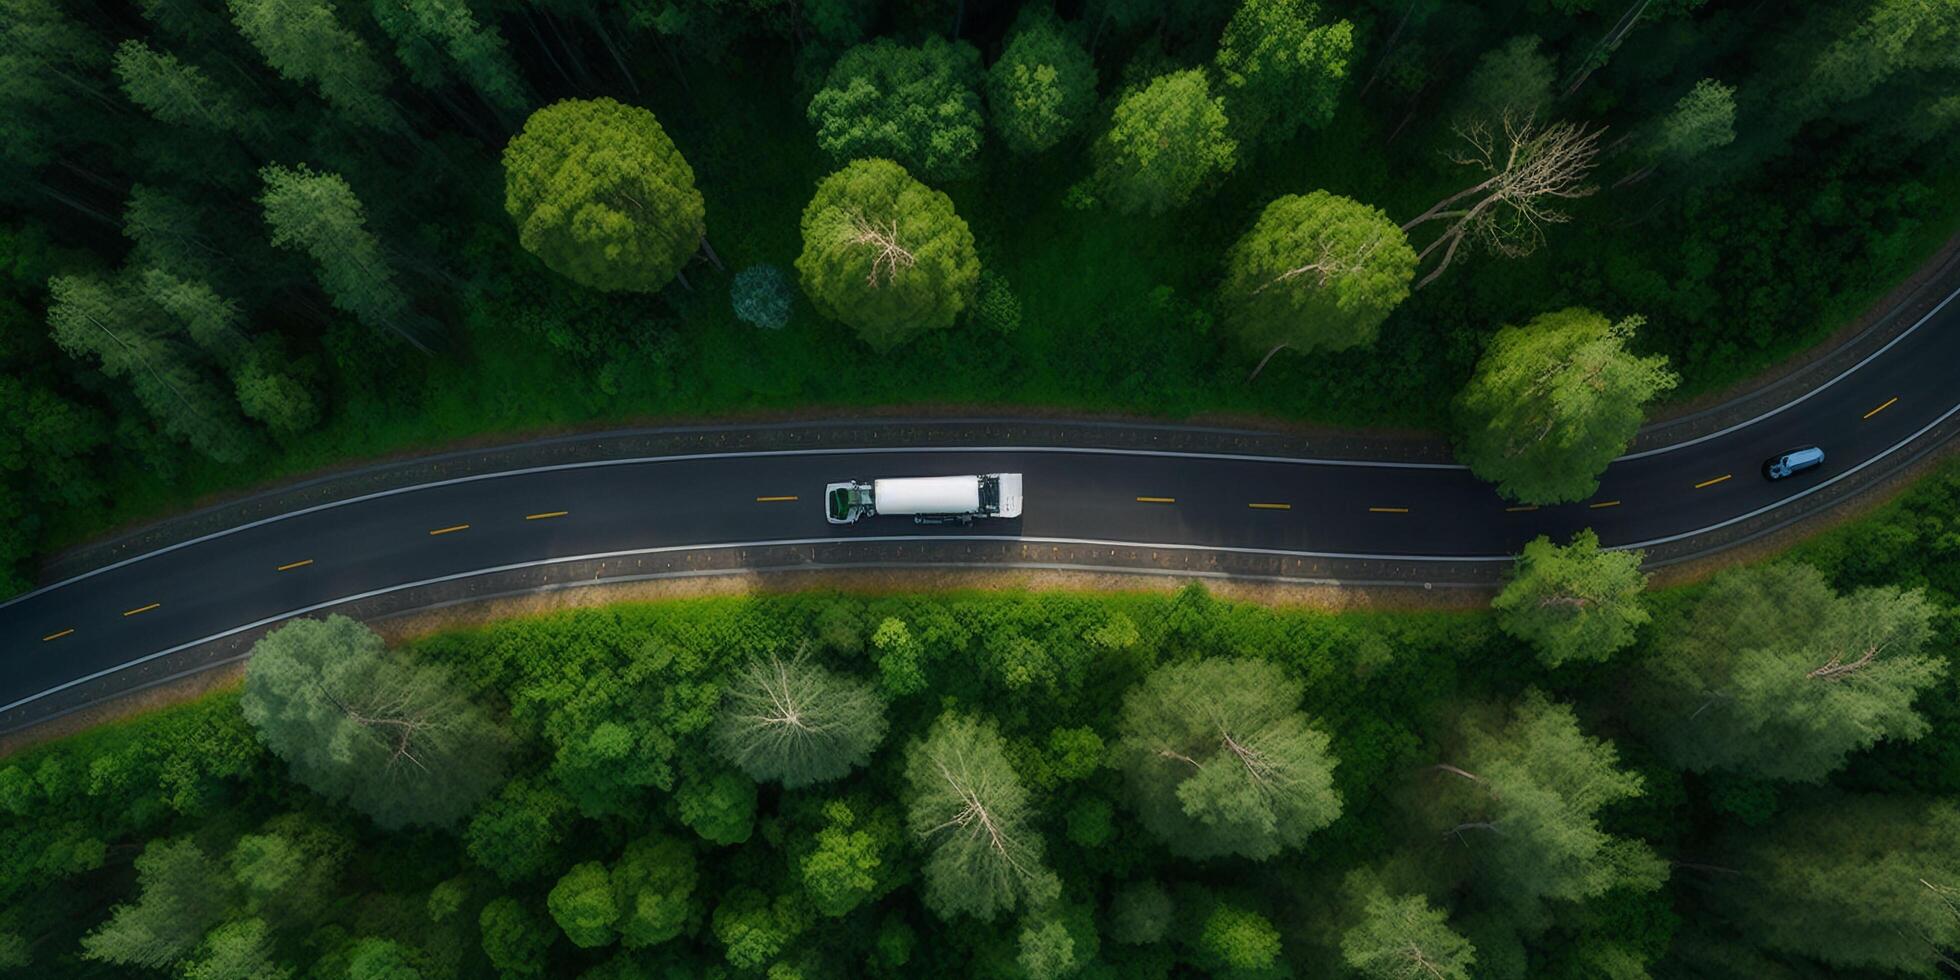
point(1315, 272)
point(1282, 70)
point(518, 834)
point(919, 106)
point(287, 872)
point(50, 98)
point(1856, 883)
point(1047, 951)
point(966, 803)
point(436, 38)
point(182, 893)
point(886, 254)
point(653, 888)
point(394, 739)
point(121, 330)
point(1219, 760)
point(305, 42)
point(1574, 602)
point(318, 214)
point(603, 196)
point(1403, 937)
point(374, 958)
point(1703, 120)
point(1043, 88)
point(178, 93)
point(853, 859)
point(900, 657)
point(1775, 676)
point(720, 807)
point(761, 296)
point(795, 722)
point(241, 950)
point(1165, 143)
point(1514, 79)
point(753, 929)
point(1553, 402)
point(1526, 792)
point(516, 940)
point(1237, 942)
point(582, 905)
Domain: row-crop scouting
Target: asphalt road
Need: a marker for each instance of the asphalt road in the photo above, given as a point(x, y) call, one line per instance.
point(99, 623)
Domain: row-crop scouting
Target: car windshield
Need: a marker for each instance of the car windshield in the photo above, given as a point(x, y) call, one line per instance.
point(840, 503)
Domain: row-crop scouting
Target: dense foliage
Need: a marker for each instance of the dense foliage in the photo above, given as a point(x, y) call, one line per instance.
point(1050, 786)
point(250, 238)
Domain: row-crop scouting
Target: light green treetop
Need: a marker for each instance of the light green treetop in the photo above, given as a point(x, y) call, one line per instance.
point(1573, 602)
point(1166, 142)
point(1043, 87)
point(1553, 402)
point(1403, 937)
point(1282, 71)
point(1219, 760)
point(1316, 272)
point(886, 254)
point(603, 196)
point(1775, 675)
point(917, 105)
point(968, 808)
point(793, 721)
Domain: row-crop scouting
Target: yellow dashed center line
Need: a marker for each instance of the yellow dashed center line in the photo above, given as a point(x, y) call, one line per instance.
point(1388, 510)
point(546, 514)
point(57, 636)
point(1604, 503)
point(292, 565)
point(1270, 506)
point(143, 609)
point(1710, 483)
point(1156, 500)
point(775, 500)
point(1881, 408)
point(452, 528)
point(1519, 510)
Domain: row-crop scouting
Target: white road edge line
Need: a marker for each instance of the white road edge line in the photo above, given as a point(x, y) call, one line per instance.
point(316, 607)
point(1800, 399)
point(746, 454)
point(1243, 457)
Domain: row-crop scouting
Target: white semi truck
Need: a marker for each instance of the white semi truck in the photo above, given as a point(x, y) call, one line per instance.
point(926, 499)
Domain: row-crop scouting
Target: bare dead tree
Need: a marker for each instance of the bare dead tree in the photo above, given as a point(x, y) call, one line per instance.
point(1530, 168)
point(890, 256)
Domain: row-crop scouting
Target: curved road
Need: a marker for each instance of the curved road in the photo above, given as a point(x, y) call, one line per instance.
point(100, 624)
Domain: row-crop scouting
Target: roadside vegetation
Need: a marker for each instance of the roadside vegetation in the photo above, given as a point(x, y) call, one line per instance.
point(250, 238)
point(1757, 776)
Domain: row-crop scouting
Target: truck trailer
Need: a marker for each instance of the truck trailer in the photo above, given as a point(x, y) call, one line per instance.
point(926, 499)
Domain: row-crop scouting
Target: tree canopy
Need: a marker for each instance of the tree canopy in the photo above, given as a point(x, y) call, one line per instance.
point(1316, 272)
point(1282, 70)
point(1166, 142)
point(1775, 675)
point(794, 722)
point(396, 740)
point(602, 195)
point(1220, 760)
point(967, 807)
point(917, 105)
point(886, 254)
point(1573, 602)
point(1553, 402)
point(1042, 89)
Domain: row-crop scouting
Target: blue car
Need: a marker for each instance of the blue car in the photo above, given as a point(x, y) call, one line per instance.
point(1793, 462)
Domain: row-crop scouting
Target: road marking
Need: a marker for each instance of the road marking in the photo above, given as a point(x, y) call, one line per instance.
point(1604, 503)
point(144, 609)
point(57, 636)
point(450, 529)
point(1156, 500)
point(1881, 408)
point(1388, 510)
point(546, 515)
point(774, 500)
point(1270, 506)
point(1010, 539)
point(1710, 483)
point(292, 565)
point(1521, 509)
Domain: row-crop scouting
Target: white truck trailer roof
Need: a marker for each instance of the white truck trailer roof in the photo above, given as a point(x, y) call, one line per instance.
point(927, 495)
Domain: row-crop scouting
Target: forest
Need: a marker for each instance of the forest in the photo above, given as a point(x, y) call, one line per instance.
point(1755, 776)
point(251, 238)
